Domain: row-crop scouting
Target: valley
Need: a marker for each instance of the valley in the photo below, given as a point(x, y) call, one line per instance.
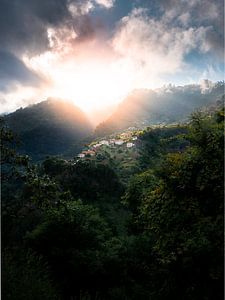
point(112, 131)
point(115, 215)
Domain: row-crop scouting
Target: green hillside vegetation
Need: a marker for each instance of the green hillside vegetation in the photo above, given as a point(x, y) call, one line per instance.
point(82, 229)
point(49, 128)
point(163, 106)
point(146, 148)
point(124, 161)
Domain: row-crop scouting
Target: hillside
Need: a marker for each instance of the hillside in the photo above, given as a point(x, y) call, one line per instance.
point(49, 128)
point(129, 151)
point(166, 105)
point(138, 215)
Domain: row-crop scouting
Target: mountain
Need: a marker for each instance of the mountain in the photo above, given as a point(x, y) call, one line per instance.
point(50, 127)
point(169, 104)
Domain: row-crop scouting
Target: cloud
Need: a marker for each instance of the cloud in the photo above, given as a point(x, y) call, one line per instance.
point(106, 3)
point(80, 8)
point(198, 13)
point(154, 47)
point(206, 86)
point(24, 24)
point(30, 28)
point(13, 71)
point(55, 37)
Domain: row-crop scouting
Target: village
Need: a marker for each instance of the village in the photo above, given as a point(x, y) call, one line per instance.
point(126, 139)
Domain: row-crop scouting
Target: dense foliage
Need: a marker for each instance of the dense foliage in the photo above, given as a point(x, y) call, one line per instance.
point(72, 230)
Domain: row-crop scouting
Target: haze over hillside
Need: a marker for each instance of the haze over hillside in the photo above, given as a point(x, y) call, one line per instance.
point(56, 127)
point(112, 187)
point(49, 128)
point(168, 104)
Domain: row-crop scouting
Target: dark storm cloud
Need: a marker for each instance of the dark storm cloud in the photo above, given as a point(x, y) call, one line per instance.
point(23, 23)
point(23, 30)
point(13, 70)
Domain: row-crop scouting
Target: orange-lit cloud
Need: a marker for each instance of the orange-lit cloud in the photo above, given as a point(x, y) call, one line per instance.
point(80, 59)
point(101, 70)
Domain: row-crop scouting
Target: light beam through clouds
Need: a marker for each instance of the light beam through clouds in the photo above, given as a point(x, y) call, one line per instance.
point(75, 55)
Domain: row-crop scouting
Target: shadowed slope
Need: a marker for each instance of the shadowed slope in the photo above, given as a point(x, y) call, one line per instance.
point(49, 128)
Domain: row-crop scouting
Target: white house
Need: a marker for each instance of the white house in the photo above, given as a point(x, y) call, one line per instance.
point(97, 145)
point(119, 142)
point(104, 142)
point(130, 145)
point(81, 155)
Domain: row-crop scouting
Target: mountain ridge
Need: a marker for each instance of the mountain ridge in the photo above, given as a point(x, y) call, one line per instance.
point(145, 107)
point(49, 127)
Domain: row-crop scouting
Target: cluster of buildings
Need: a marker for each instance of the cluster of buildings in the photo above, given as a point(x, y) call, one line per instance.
point(125, 139)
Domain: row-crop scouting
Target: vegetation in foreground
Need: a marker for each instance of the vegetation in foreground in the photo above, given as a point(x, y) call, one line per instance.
point(74, 231)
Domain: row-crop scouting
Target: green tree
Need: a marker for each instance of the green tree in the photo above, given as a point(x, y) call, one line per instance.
point(184, 215)
point(26, 276)
point(71, 238)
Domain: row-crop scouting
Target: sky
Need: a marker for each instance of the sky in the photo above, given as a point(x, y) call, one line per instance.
point(94, 52)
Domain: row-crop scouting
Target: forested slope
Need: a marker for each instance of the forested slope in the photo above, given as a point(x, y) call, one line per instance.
point(72, 230)
point(166, 105)
point(49, 128)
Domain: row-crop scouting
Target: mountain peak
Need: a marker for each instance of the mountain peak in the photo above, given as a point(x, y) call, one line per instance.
point(50, 127)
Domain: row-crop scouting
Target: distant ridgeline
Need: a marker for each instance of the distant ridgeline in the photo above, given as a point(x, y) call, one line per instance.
point(54, 127)
point(166, 105)
point(49, 128)
point(141, 216)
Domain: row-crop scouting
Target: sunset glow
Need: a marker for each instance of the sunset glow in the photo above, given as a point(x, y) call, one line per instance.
point(111, 145)
point(90, 85)
point(99, 51)
point(92, 75)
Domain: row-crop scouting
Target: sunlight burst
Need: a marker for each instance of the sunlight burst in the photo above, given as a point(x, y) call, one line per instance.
point(90, 83)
